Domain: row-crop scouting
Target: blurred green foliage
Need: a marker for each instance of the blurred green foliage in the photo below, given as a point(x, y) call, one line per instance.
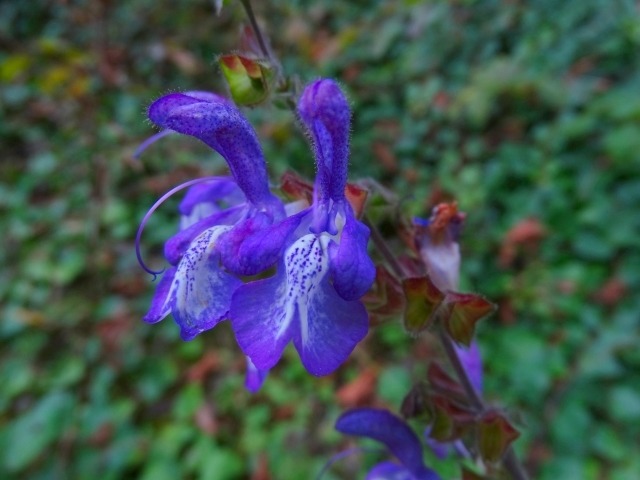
point(523, 111)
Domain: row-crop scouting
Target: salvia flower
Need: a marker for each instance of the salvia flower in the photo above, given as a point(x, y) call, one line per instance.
point(396, 436)
point(313, 298)
point(235, 227)
point(197, 289)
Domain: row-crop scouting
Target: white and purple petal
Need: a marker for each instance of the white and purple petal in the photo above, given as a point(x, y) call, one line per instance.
point(298, 304)
point(201, 291)
point(175, 247)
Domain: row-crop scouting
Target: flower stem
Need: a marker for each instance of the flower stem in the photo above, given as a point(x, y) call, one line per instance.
point(510, 460)
point(384, 249)
point(254, 24)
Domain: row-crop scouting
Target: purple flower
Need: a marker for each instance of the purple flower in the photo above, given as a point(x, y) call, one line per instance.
point(312, 299)
point(197, 290)
point(396, 435)
point(233, 228)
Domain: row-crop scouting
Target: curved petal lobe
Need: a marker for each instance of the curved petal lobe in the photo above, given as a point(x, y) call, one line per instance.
point(390, 430)
point(352, 270)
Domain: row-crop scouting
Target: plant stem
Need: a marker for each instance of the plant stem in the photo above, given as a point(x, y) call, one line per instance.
point(254, 24)
point(384, 249)
point(509, 461)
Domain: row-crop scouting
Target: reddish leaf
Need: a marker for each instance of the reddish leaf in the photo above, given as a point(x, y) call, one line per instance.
point(495, 434)
point(209, 362)
point(357, 197)
point(466, 310)
point(442, 382)
point(423, 301)
point(611, 292)
point(386, 297)
point(451, 420)
point(417, 403)
point(527, 233)
point(295, 187)
point(360, 390)
point(206, 419)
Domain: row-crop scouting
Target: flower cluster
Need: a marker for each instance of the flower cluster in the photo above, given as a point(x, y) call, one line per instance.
point(234, 227)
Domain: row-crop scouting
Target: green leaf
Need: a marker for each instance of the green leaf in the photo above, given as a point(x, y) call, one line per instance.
point(37, 429)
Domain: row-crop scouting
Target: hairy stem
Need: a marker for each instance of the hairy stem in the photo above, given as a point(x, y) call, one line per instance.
point(254, 24)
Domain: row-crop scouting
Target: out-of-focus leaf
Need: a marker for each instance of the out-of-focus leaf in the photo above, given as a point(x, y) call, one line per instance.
point(34, 432)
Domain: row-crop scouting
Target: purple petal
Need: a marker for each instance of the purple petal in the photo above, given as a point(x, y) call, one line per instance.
point(472, 361)
point(201, 291)
point(352, 269)
point(329, 330)
point(325, 111)
point(255, 245)
point(160, 307)
point(390, 430)
point(207, 96)
point(389, 471)
point(175, 247)
point(254, 377)
point(440, 449)
point(259, 319)
point(211, 192)
point(222, 126)
point(298, 303)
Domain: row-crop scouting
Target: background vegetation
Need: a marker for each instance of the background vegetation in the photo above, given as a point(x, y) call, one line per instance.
point(527, 112)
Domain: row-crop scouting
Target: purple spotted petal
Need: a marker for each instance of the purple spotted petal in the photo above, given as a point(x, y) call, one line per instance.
point(389, 471)
point(255, 245)
point(298, 304)
point(325, 111)
point(222, 126)
point(212, 192)
point(472, 361)
point(160, 307)
point(352, 270)
point(254, 377)
point(201, 291)
point(175, 247)
point(395, 434)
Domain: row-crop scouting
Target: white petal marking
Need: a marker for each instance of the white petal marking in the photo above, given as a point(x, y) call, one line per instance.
point(306, 263)
point(185, 284)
